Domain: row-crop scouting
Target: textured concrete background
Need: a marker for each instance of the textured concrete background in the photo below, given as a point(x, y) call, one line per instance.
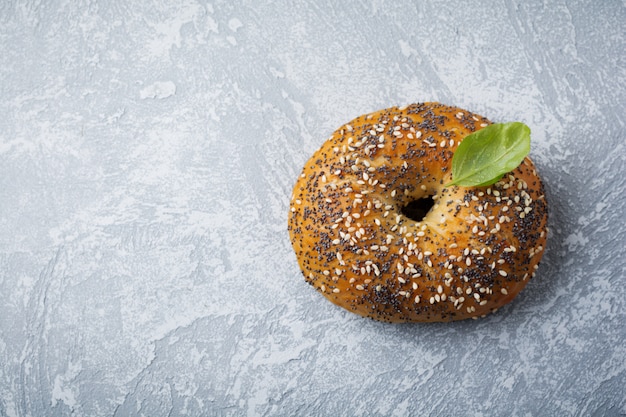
point(147, 155)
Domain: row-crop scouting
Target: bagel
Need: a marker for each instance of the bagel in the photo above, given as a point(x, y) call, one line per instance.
point(377, 232)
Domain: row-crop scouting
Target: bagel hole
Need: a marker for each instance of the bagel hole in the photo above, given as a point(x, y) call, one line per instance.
point(417, 209)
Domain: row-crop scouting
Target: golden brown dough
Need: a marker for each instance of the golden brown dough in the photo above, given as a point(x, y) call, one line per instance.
point(473, 251)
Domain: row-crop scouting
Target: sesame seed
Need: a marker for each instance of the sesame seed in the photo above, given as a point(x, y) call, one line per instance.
point(504, 291)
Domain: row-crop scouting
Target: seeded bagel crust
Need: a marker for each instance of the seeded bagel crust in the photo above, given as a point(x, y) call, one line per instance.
point(472, 253)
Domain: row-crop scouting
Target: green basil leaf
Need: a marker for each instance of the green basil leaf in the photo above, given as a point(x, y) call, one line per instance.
point(483, 157)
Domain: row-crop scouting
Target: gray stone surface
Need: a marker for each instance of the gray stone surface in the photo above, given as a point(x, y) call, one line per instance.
point(147, 155)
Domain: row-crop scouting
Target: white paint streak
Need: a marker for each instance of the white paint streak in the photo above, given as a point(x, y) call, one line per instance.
point(158, 90)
